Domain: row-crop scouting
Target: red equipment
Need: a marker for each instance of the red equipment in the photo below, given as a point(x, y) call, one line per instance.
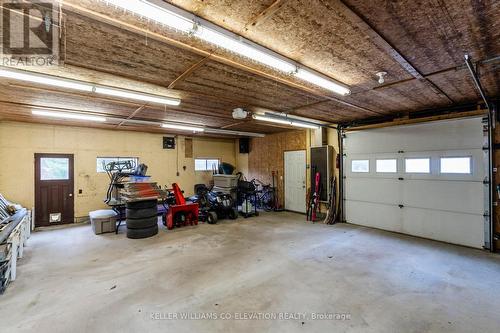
point(316, 196)
point(313, 207)
point(182, 213)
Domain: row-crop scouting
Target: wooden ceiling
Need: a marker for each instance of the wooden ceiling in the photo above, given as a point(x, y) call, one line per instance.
point(420, 44)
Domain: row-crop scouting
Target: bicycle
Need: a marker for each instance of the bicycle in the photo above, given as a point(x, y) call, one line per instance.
point(266, 196)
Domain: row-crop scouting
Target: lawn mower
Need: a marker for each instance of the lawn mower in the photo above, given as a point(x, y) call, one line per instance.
point(214, 205)
point(206, 212)
point(223, 204)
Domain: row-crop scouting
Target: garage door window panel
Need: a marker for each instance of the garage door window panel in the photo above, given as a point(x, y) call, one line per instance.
point(456, 165)
point(386, 165)
point(418, 165)
point(360, 166)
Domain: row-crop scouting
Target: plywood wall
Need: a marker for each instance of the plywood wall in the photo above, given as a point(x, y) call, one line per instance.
point(267, 155)
point(20, 141)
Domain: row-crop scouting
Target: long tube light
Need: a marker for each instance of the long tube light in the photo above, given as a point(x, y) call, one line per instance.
point(186, 22)
point(230, 132)
point(206, 129)
point(285, 121)
point(68, 115)
point(183, 127)
point(137, 96)
point(272, 120)
point(304, 125)
point(155, 13)
point(45, 79)
point(54, 81)
point(318, 80)
point(243, 49)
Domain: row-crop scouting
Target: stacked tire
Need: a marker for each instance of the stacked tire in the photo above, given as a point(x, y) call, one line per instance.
point(142, 219)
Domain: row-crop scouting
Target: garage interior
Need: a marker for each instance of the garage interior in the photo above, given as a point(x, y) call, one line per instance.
point(267, 165)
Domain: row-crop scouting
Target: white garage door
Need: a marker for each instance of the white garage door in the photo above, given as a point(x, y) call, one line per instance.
point(424, 180)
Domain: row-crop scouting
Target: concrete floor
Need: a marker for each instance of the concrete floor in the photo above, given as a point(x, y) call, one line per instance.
point(74, 281)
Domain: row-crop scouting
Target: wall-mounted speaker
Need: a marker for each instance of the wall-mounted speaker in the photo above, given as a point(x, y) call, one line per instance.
point(244, 145)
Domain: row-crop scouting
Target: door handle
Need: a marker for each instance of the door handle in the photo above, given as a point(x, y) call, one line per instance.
point(71, 195)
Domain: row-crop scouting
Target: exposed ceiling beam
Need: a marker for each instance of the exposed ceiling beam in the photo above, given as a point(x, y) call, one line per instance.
point(266, 14)
point(117, 101)
point(383, 44)
point(170, 41)
point(132, 115)
point(224, 98)
point(119, 119)
point(188, 72)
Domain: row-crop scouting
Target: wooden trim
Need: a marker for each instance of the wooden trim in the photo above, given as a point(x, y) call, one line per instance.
point(233, 124)
point(307, 106)
point(132, 115)
point(266, 14)
point(188, 72)
point(399, 122)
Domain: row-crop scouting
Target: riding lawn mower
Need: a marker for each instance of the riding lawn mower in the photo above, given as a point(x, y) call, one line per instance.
point(213, 205)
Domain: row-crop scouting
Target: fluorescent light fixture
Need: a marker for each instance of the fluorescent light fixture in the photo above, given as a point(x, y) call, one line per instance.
point(285, 121)
point(272, 120)
point(55, 81)
point(45, 79)
point(318, 80)
point(238, 133)
point(137, 96)
point(183, 127)
point(304, 125)
point(184, 21)
point(243, 49)
point(206, 129)
point(68, 115)
point(155, 13)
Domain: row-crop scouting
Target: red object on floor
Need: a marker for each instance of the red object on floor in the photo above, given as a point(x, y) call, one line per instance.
point(316, 197)
point(179, 198)
point(182, 213)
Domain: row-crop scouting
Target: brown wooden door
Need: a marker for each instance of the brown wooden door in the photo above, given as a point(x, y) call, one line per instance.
point(54, 189)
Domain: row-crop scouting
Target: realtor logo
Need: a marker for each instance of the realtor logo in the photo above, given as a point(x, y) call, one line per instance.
point(30, 33)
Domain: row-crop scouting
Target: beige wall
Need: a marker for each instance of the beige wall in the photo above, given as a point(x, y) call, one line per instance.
point(241, 162)
point(20, 141)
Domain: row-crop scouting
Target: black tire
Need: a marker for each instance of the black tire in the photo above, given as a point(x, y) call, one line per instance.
point(233, 214)
point(142, 223)
point(212, 218)
point(142, 233)
point(141, 213)
point(142, 204)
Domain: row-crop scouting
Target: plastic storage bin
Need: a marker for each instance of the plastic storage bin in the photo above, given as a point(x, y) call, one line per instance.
point(103, 221)
point(226, 181)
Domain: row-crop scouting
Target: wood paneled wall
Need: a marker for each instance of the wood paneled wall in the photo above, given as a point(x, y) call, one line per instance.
point(267, 155)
